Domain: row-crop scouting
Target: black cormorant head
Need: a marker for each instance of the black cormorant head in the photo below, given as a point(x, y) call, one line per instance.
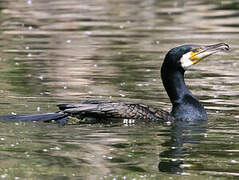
point(182, 57)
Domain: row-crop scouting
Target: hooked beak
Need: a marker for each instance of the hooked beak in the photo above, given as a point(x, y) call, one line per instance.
point(199, 53)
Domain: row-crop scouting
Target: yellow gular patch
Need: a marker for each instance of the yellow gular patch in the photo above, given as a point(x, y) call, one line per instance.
point(194, 55)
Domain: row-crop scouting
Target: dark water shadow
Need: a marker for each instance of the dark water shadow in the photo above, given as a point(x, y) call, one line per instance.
point(173, 160)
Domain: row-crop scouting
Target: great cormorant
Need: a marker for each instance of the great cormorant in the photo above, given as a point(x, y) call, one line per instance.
point(185, 104)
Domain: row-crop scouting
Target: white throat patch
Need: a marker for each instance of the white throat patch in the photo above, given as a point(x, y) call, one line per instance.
point(185, 61)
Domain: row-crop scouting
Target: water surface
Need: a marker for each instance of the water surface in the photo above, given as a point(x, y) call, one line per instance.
point(69, 51)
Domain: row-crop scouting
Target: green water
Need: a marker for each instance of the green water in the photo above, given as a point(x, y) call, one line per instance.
point(57, 51)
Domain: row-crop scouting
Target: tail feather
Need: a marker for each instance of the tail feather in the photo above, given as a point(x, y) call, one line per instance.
point(34, 117)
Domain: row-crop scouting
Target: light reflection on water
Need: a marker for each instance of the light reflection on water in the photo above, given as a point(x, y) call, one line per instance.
point(57, 52)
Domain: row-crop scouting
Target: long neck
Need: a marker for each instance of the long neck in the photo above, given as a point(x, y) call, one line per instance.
point(185, 105)
point(173, 81)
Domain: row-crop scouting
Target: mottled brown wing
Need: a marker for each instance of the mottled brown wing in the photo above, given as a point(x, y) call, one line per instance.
point(122, 110)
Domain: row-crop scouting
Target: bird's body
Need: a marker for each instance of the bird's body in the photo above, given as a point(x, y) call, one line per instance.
point(185, 105)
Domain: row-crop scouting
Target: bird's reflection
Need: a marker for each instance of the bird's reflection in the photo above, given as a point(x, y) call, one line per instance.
point(173, 160)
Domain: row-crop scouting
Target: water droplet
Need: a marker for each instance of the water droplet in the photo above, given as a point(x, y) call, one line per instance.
point(46, 93)
point(95, 65)
point(186, 165)
point(140, 85)
point(3, 176)
point(157, 42)
point(88, 33)
point(122, 84)
point(186, 174)
point(168, 123)
point(2, 138)
point(29, 2)
point(17, 64)
point(57, 148)
point(234, 161)
point(41, 77)
point(65, 87)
